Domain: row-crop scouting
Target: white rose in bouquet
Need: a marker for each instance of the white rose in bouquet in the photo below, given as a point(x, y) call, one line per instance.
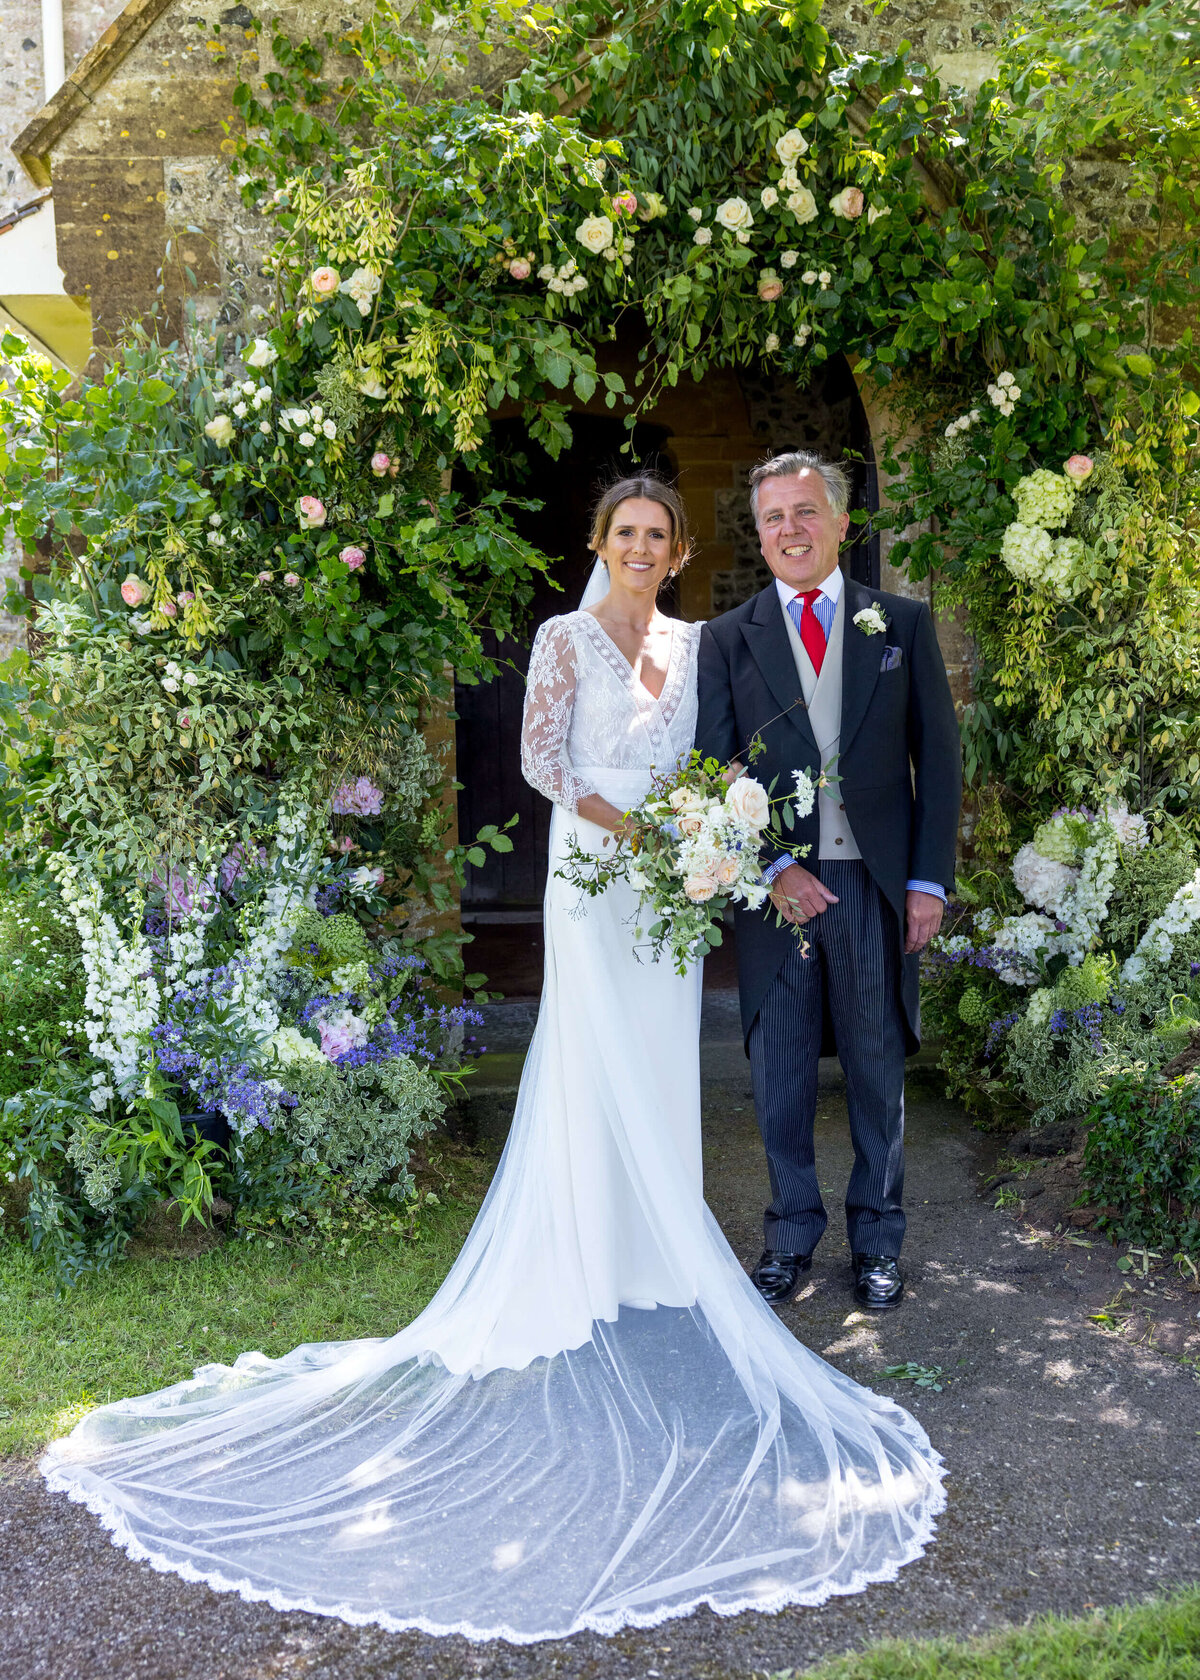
point(686, 799)
point(747, 800)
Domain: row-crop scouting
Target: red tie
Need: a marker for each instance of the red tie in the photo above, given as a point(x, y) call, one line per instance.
point(811, 633)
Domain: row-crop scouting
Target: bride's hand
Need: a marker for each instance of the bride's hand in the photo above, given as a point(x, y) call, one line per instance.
point(732, 773)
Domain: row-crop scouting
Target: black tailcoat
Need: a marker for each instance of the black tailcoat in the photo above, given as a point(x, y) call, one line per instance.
point(900, 761)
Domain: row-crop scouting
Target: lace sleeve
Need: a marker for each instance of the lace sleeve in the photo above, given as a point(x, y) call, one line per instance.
point(549, 703)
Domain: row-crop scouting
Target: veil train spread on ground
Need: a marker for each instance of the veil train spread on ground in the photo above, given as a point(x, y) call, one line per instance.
point(596, 1422)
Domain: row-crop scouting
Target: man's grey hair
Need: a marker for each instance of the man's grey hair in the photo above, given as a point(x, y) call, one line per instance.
point(835, 476)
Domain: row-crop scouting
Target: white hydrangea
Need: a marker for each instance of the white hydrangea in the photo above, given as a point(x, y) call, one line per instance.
point(1041, 881)
point(1045, 498)
point(1130, 830)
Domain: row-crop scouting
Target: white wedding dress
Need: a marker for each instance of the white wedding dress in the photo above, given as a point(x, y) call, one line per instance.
point(596, 1422)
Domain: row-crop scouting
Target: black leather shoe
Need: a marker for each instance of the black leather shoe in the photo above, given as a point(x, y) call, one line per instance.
point(777, 1274)
point(877, 1281)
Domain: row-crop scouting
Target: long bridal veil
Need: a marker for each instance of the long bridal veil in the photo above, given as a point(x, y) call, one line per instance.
point(595, 1423)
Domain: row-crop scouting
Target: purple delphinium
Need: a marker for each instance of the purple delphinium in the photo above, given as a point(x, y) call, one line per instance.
point(328, 898)
point(997, 1031)
point(977, 956)
point(1088, 1017)
point(214, 1079)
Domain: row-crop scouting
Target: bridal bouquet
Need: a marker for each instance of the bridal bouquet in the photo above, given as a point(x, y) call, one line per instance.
point(691, 848)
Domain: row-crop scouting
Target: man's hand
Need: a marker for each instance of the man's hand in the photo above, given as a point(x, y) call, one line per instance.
point(923, 916)
point(799, 896)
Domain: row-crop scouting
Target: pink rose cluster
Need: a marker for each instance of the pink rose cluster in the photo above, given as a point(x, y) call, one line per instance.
point(358, 798)
point(352, 558)
point(383, 466)
point(1078, 467)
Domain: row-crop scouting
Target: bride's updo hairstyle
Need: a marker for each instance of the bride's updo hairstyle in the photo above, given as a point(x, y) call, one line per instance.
point(653, 489)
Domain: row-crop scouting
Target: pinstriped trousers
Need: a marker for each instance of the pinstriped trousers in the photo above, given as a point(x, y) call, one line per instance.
point(854, 964)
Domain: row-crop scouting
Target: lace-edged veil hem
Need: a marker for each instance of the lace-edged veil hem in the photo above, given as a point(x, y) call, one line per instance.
point(59, 1479)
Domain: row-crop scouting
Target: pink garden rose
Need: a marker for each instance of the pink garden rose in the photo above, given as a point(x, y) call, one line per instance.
point(520, 269)
point(265, 577)
point(325, 281)
point(625, 203)
point(184, 598)
point(380, 463)
point(848, 204)
point(185, 720)
point(134, 591)
point(1078, 467)
point(345, 844)
point(352, 557)
point(291, 579)
point(169, 609)
point(770, 290)
point(312, 512)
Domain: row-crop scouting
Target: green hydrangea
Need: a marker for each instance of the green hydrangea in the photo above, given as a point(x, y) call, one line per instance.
point(1062, 839)
point(972, 1010)
point(1045, 498)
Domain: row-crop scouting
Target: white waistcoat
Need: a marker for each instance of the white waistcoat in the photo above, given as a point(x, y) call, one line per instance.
point(823, 697)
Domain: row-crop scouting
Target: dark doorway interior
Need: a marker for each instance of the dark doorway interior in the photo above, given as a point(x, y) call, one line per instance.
point(509, 888)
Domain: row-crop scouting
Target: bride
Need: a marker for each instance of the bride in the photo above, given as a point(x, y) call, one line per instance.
point(596, 1422)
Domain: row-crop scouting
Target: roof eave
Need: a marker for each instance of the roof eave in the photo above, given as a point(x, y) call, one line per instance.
point(36, 140)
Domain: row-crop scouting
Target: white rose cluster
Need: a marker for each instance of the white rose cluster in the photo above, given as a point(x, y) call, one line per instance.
point(1005, 393)
point(963, 423)
point(566, 279)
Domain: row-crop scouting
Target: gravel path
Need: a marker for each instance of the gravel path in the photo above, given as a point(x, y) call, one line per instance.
point(1074, 1459)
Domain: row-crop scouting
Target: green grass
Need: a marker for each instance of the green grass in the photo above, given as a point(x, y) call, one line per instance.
point(150, 1321)
point(1159, 1640)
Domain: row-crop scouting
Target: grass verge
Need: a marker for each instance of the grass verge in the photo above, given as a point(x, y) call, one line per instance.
point(151, 1320)
point(1159, 1640)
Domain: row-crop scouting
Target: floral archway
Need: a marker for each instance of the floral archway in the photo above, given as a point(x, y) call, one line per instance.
point(260, 581)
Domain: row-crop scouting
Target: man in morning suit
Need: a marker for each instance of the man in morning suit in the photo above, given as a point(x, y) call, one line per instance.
point(828, 673)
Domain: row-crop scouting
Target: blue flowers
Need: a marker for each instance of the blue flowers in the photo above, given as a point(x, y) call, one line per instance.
point(997, 1031)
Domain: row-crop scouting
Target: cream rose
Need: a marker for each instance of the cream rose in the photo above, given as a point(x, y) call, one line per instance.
point(790, 146)
point(727, 872)
point(220, 430)
point(371, 385)
point(685, 799)
point(768, 198)
point(692, 823)
point(594, 233)
point(848, 204)
point(802, 204)
point(747, 800)
point(325, 281)
point(735, 214)
point(699, 888)
point(262, 355)
point(875, 211)
point(770, 286)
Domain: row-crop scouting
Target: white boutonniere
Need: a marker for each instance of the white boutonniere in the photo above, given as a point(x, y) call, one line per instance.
point(871, 621)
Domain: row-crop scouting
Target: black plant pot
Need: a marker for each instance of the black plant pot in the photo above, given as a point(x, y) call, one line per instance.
point(206, 1128)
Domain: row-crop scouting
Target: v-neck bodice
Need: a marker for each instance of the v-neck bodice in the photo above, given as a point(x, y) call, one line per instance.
point(586, 711)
